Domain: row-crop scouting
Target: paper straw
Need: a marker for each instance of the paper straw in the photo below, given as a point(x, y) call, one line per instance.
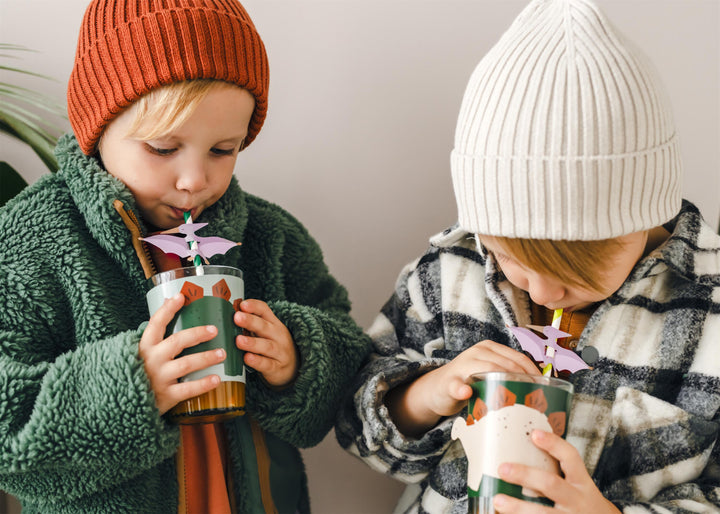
point(193, 244)
point(550, 352)
point(557, 316)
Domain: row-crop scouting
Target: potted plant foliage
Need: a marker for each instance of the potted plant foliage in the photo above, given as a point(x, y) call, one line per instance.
point(28, 116)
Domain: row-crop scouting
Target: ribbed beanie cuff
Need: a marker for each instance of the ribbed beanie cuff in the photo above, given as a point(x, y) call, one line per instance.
point(564, 133)
point(128, 48)
point(567, 198)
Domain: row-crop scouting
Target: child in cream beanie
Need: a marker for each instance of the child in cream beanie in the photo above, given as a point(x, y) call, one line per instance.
point(566, 171)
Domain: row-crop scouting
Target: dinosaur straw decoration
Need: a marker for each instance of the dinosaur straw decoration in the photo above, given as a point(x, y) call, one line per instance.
point(190, 245)
point(547, 351)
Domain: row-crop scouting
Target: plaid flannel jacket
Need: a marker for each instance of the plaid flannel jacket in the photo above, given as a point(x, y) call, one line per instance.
point(644, 419)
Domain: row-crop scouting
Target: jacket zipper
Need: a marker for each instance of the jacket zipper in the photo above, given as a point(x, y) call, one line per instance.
point(141, 249)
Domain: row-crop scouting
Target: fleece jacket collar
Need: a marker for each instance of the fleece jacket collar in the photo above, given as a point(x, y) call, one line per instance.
point(94, 190)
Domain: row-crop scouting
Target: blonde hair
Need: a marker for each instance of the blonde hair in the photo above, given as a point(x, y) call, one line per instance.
point(166, 108)
point(579, 263)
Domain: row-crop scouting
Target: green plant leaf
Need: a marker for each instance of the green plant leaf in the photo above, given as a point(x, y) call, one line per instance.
point(31, 97)
point(29, 126)
point(17, 121)
point(41, 144)
point(11, 183)
point(25, 72)
point(22, 115)
point(13, 46)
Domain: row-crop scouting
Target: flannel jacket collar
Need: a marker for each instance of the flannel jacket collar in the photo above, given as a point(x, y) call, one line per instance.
point(94, 190)
point(692, 250)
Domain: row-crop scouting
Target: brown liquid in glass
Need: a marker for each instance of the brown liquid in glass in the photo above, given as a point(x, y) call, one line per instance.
point(224, 402)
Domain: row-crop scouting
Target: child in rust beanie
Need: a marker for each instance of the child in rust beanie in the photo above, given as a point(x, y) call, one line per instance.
point(162, 97)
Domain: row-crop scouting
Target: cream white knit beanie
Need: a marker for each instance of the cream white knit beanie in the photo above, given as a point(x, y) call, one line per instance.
point(564, 133)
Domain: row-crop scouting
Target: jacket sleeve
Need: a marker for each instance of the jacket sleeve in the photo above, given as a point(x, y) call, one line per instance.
point(406, 336)
point(77, 414)
point(658, 456)
point(701, 494)
point(331, 346)
point(74, 423)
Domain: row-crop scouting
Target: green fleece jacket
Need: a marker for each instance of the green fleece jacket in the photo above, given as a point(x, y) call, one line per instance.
point(79, 430)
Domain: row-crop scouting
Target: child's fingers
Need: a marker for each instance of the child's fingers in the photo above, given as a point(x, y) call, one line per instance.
point(177, 342)
point(512, 358)
point(270, 350)
point(178, 368)
point(260, 363)
point(486, 361)
point(157, 325)
point(157, 356)
point(505, 504)
point(258, 345)
point(546, 483)
point(576, 492)
point(459, 390)
point(254, 323)
point(185, 390)
point(257, 316)
point(570, 461)
point(258, 308)
point(277, 363)
point(505, 357)
point(274, 372)
point(163, 370)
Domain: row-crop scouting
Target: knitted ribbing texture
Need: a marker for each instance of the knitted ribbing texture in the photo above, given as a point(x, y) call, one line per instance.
point(127, 48)
point(564, 133)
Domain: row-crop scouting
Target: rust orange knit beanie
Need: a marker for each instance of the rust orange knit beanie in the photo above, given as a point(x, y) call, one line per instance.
point(127, 48)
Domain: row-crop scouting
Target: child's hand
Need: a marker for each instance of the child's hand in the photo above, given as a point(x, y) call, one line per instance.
point(575, 493)
point(161, 366)
point(270, 349)
point(418, 406)
point(447, 387)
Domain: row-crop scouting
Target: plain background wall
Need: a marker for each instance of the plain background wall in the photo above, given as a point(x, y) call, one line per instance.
point(363, 102)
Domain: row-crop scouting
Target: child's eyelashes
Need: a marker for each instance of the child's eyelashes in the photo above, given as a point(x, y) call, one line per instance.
point(159, 151)
point(165, 152)
point(222, 151)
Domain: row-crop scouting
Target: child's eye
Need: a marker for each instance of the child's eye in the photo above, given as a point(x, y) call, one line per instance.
point(160, 151)
point(221, 151)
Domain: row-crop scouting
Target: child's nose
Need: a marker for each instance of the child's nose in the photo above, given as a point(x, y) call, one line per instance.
point(544, 291)
point(192, 178)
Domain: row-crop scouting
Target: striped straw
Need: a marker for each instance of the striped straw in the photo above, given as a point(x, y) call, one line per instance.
point(193, 244)
point(549, 352)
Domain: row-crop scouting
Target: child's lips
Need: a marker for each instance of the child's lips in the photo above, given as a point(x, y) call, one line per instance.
point(180, 212)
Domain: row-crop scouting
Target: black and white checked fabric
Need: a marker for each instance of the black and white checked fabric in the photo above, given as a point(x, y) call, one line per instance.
point(645, 418)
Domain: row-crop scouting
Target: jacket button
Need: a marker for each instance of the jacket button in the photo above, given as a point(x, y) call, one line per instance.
point(590, 355)
point(572, 343)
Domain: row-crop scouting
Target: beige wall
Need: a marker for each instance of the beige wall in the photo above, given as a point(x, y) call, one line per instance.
point(363, 102)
